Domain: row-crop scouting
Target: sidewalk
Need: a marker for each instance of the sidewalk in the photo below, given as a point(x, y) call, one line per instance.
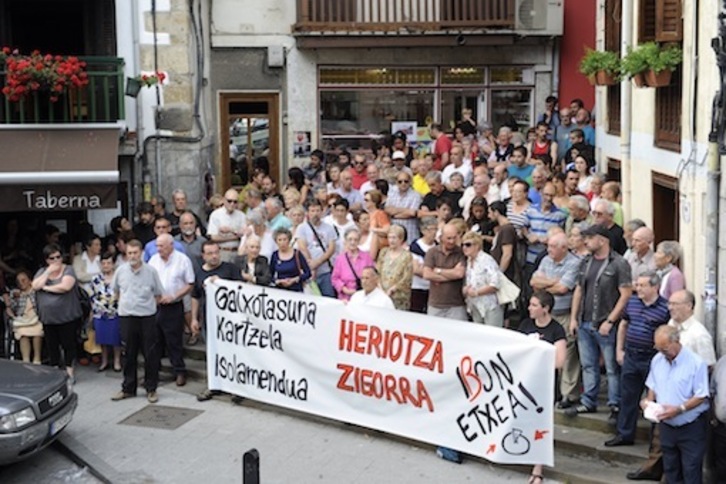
point(293, 447)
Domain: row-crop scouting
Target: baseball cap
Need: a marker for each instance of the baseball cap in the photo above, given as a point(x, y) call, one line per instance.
point(595, 229)
point(398, 155)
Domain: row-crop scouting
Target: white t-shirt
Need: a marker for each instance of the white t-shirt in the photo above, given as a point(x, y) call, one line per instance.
point(376, 298)
point(464, 169)
point(221, 218)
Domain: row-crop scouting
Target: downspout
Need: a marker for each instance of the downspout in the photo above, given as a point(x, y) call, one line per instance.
point(626, 92)
point(716, 196)
point(145, 173)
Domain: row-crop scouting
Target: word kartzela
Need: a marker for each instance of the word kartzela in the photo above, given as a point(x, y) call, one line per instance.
point(481, 390)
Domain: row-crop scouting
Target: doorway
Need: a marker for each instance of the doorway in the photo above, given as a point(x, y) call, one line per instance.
point(666, 208)
point(250, 137)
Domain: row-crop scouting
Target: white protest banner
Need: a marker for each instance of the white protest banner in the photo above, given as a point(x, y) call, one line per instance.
point(481, 390)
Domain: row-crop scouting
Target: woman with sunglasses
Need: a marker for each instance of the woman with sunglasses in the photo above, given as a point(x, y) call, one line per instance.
point(481, 282)
point(58, 307)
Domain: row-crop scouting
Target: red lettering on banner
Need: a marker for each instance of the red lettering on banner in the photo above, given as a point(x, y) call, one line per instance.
point(409, 349)
point(468, 378)
point(377, 385)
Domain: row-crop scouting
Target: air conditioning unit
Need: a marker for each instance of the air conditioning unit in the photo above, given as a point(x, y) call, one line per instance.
point(539, 17)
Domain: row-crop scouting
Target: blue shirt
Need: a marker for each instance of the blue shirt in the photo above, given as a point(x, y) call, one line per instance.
point(643, 320)
point(523, 172)
point(280, 222)
point(150, 249)
point(675, 382)
point(539, 223)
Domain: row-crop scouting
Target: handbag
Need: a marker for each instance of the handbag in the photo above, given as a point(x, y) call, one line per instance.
point(28, 318)
point(508, 291)
point(358, 283)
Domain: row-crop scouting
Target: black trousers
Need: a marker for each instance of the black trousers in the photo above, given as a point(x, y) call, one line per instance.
point(170, 324)
point(59, 336)
point(140, 333)
point(719, 452)
point(684, 448)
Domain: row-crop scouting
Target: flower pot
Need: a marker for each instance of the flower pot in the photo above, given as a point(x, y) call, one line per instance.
point(605, 78)
point(663, 78)
point(593, 80)
point(639, 80)
point(133, 86)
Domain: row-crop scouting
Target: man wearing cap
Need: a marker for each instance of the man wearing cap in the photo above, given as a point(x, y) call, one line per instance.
point(442, 147)
point(400, 144)
point(399, 163)
point(603, 288)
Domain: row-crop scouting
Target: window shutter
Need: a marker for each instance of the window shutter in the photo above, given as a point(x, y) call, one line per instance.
point(613, 19)
point(668, 21)
point(646, 22)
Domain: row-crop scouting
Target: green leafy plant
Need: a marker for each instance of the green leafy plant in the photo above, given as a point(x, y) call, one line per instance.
point(635, 61)
point(651, 55)
point(595, 61)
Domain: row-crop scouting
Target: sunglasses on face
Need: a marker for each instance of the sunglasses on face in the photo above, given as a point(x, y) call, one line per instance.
point(402, 182)
point(54, 257)
point(467, 244)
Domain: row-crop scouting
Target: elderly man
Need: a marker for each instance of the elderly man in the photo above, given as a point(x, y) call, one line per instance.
point(371, 294)
point(643, 314)
point(275, 218)
point(138, 290)
point(604, 213)
point(177, 279)
point(678, 383)
point(499, 186)
point(504, 148)
point(402, 206)
point(189, 238)
point(478, 189)
point(579, 215)
point(348, 192)
point(557, 274)
point(179, 198)
point(694, 336)
point(438, 192)
point(227, 225)
point(597, 304)
point(539, 178)
point(640, 255)
point(457, 165)
point(372, 174)
point(444, 267)
point(358, 171)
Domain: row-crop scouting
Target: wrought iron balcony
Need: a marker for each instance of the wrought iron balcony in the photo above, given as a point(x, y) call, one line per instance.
point(395, 15)
point(101, 101)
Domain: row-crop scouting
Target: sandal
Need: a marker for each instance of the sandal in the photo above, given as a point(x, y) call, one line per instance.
point(535, 479)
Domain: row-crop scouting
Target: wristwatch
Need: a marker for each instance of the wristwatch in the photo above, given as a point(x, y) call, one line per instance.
point(438, 270)
point(683, 408)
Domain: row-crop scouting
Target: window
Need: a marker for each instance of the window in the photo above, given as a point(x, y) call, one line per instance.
point(646, 24)
point(613, 107)
point(668, 114)
point(660, 20)
point(613, 23)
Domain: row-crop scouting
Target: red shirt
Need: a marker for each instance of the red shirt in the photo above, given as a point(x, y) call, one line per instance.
point(441, 146)
point(358, 178)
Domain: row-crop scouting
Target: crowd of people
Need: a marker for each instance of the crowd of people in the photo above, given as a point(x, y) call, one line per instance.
point(443, 234)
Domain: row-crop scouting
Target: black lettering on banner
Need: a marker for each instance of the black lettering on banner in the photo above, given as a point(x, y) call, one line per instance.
point(243, 333)
point(265, 307)
point(280, 383)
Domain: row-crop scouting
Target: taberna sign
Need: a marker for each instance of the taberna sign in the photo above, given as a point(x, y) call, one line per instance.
point(52, 198)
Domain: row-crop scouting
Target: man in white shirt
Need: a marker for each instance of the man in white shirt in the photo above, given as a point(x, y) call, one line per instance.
point(177, 279)
point(373, 174)
point(226, 226)
point(371, 294)
point(693, 334)
point(478, 189)
point(456, 155)
point(499, 186)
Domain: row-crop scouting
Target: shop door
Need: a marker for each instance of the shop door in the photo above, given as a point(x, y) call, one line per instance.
point(666, 208)
point(249, 136)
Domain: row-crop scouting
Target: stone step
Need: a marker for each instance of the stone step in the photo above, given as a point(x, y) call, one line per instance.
point(590, 443)
point(599, 422)
point(580, 469)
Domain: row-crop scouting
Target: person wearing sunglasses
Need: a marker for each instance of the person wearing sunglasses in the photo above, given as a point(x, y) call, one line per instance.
point(402, 206)
point(226, 225)
point(481, 282)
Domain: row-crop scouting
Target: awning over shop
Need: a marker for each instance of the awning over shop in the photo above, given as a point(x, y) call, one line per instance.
point(58, 167)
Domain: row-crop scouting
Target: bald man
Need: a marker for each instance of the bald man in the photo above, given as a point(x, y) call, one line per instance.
point(640, 256)
point(226, 225)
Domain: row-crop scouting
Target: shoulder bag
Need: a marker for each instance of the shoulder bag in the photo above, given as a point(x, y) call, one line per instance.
point(508, 291)
point(358, 283)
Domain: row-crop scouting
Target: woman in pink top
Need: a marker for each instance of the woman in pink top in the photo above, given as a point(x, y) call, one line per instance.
point(349, 265)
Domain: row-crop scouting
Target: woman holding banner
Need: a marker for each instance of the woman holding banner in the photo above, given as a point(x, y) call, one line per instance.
point(542, 326)
point(395, 265)
point(289, 267)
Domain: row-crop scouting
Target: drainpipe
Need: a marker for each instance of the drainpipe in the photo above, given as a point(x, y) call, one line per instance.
point(716, 198)
point(626, 92)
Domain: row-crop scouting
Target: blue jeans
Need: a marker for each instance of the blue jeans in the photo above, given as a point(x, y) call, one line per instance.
point(591, 344)
point(632, 381)
point(325, 285)
point(683, 451)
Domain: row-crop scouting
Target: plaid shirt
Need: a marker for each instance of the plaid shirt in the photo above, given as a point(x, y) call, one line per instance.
point(411, 200)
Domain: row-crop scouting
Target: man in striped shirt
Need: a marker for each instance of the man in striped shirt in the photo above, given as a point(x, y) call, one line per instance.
point(541, 218)
point(643, 314)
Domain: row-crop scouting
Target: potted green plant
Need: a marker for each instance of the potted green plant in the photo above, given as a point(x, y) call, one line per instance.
point(635, 64)
point(601, 67)
point(662, 61)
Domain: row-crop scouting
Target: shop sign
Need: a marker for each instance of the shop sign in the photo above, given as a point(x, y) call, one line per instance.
point(52, 198)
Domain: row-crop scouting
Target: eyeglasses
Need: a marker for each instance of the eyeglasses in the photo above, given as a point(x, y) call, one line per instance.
point(467, 244)
point(403, 182)
point(596, 213)
point(231, 201)
point(359, 163)
point(54, 257)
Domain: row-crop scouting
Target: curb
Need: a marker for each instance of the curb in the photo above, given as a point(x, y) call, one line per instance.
point(83, 456)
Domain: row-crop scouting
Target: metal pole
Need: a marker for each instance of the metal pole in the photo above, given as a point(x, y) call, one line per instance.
point(251, 467)
point(626, 87)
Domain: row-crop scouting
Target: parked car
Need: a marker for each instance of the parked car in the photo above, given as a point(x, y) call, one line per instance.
point(36, 404)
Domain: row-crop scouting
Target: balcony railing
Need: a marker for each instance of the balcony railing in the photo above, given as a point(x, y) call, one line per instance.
point(101, 101)
point(392, 15)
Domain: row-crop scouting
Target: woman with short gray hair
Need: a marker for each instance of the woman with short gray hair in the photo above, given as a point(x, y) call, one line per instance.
point(667, 254)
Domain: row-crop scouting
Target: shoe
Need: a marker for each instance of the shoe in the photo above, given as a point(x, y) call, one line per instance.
point(181, 380)
point(563, 404)
point(578, 409)
point(535, 479)
point(152, 397)
point(613, 417)
point(204, 396)
point(193, 340)
point(237, 400)
point(617, 441)
point(96, 359)
point(117, 369)
point(642, 475)
point(449, 454)
point(102, 368)
point(122, 396)
point(83, 361)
